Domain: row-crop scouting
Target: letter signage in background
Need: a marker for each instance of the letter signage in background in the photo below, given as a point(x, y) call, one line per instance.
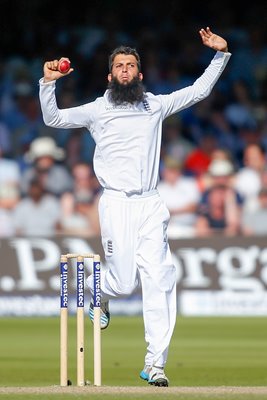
point(215, 276)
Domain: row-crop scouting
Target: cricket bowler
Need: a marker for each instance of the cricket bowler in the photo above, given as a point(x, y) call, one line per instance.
point(126, 125)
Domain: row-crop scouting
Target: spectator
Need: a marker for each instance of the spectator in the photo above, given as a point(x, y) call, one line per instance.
point(175, 143)
point(45, 156)
point(9, 192)
point(254, 222)
point(240, 111)
point(37, 214)
point(9, 171)
point(220, 206)
point(23, 117)
point(9, 198)
point(205, 180)
point(248, 180)
point(80, 206)
point(79, 146)
point(5, 142)
point(198, 160)
point(181, 196)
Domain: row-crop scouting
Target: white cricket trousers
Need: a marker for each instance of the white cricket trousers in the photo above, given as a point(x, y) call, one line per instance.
point(133, 230)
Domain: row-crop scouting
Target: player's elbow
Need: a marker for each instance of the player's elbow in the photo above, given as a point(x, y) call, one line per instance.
point(125, 289)
point(47, 121)
point(203, 94)
point(51, 121)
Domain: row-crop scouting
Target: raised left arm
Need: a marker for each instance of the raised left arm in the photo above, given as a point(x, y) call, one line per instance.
point(213, 41)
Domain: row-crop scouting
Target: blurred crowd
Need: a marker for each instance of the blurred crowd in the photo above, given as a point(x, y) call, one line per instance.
point(213, 173)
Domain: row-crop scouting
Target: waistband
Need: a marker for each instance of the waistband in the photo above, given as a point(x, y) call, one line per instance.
point(117, 193)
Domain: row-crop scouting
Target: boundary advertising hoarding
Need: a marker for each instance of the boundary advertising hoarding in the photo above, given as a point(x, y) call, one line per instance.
point(215, 276)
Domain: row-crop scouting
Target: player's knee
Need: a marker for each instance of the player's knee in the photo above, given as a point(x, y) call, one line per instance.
point(125, 289)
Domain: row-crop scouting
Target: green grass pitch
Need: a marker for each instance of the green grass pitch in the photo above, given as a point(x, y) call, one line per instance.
point(214, 351)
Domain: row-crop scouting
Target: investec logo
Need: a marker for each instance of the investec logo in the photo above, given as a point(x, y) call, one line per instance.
point(80, 285)
point(97, 287)
point(64, 285)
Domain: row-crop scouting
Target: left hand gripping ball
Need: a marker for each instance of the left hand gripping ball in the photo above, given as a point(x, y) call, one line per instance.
point(64, 66)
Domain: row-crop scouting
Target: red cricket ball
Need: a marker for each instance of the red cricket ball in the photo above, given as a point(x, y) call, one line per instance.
point(64, 66)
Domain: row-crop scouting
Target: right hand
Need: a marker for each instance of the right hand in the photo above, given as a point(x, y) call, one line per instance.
point(51, 72)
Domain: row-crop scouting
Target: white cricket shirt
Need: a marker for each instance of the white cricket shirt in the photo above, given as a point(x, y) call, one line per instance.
point(128, 137)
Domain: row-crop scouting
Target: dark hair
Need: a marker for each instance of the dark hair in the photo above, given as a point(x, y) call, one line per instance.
point(124, 50)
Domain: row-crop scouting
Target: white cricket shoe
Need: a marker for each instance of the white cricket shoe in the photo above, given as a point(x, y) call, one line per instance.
point(157, 377)
point(144, 374)
point(104, 314)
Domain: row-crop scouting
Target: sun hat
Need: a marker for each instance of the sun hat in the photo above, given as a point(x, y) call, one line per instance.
point(44, 146)
point(220, 168)
point(171, 162)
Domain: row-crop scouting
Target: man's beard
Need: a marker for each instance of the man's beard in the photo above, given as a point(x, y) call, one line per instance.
point(130, 93)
